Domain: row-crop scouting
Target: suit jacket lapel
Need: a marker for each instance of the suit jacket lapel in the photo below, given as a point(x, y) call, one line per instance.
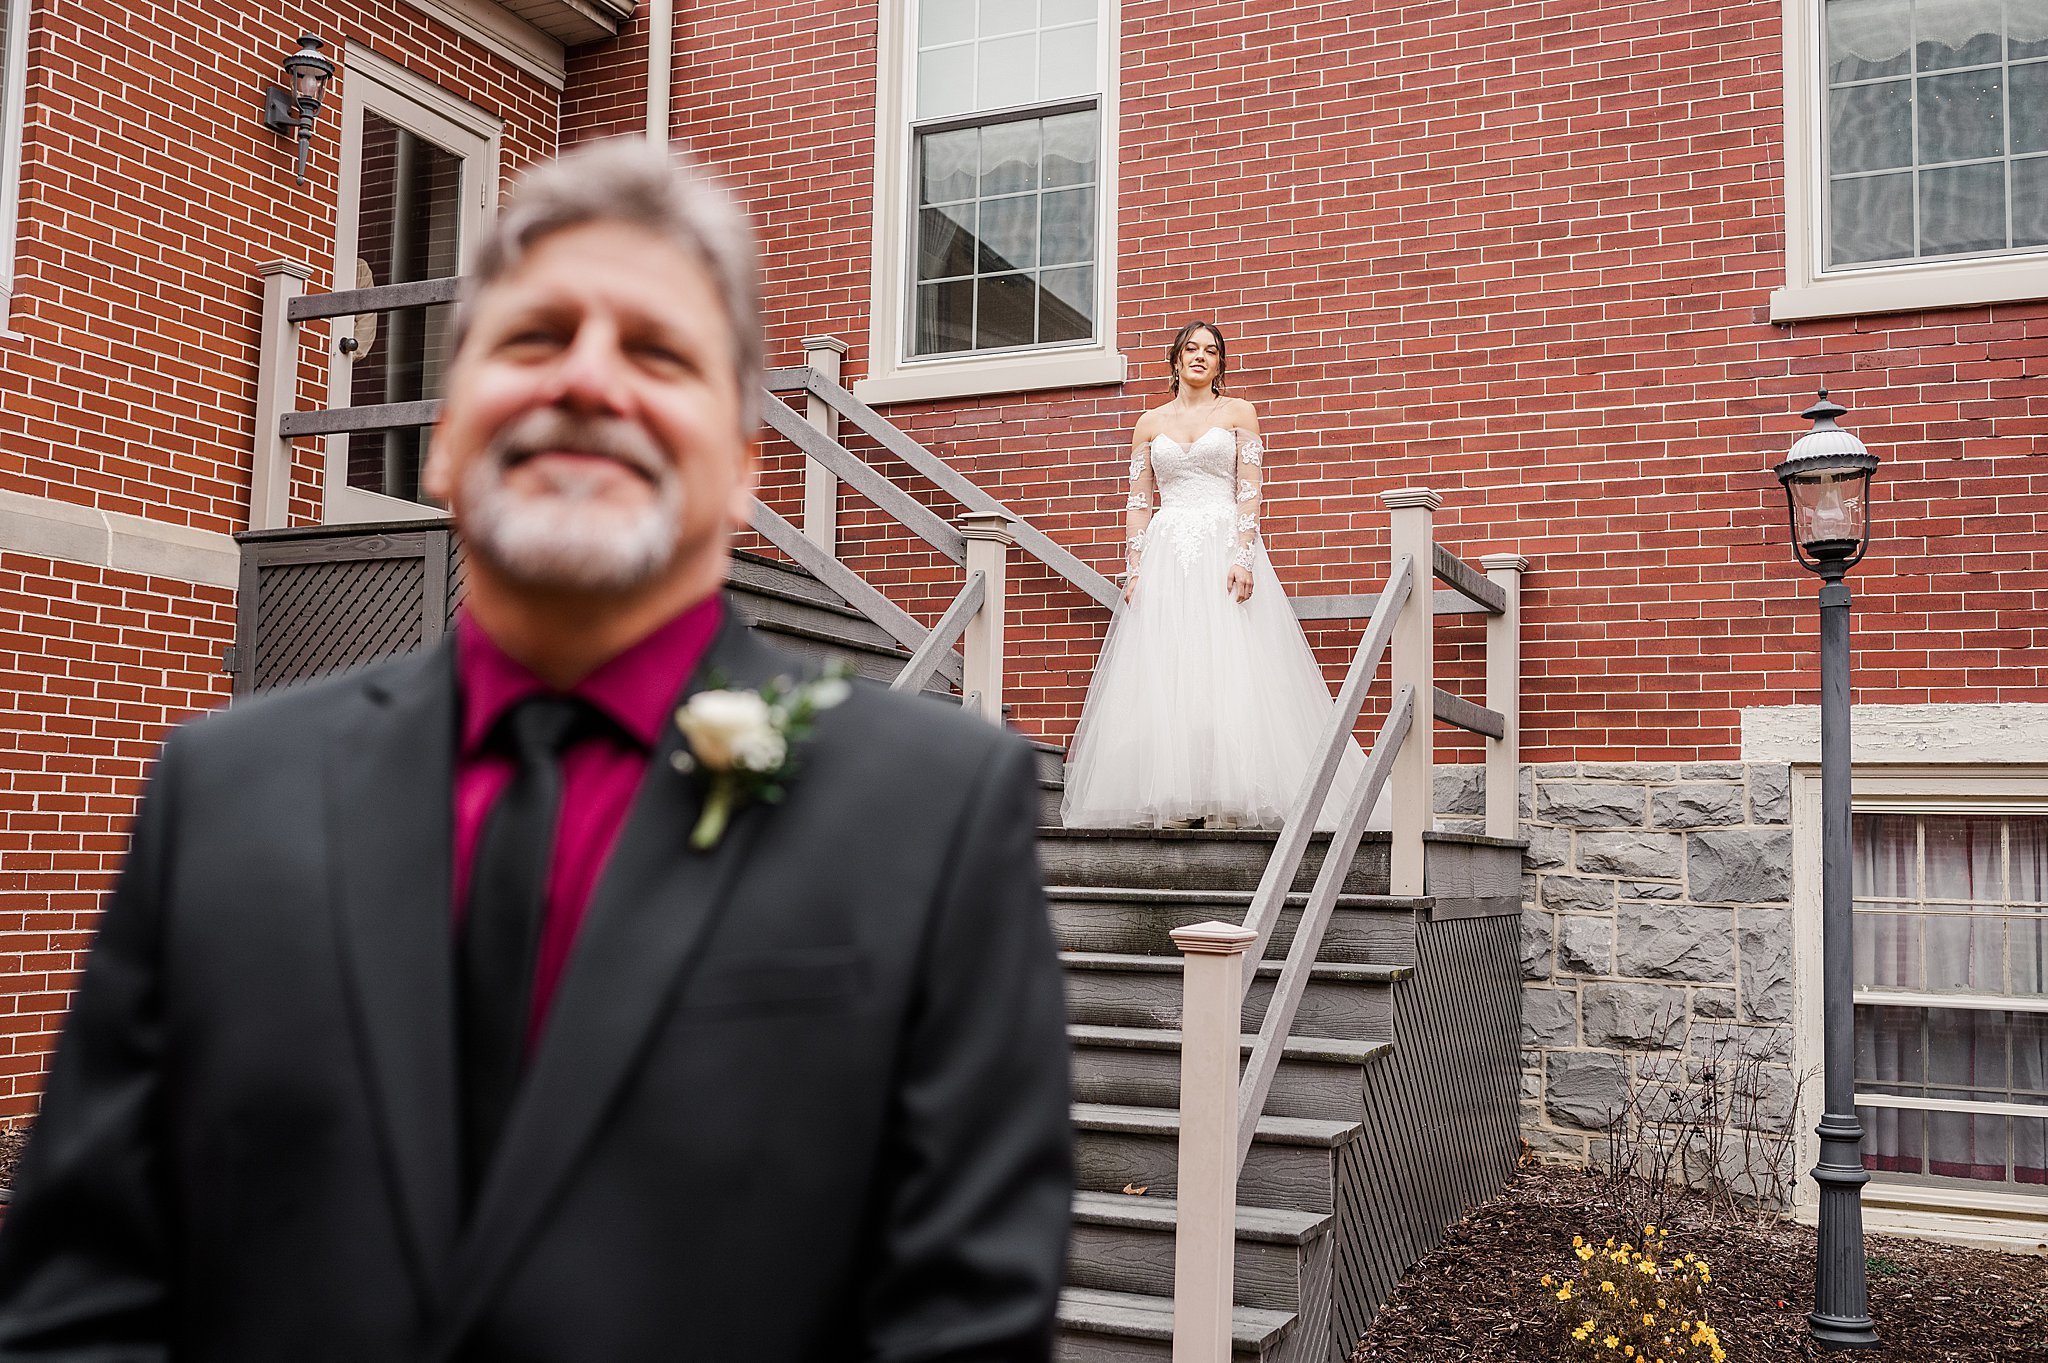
point(650, 912)
point(391, 811)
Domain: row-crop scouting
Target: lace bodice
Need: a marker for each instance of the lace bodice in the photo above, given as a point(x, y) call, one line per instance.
point(1219, 474)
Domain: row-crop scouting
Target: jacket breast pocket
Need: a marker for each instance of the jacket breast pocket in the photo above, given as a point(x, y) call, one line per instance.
point(799, 980)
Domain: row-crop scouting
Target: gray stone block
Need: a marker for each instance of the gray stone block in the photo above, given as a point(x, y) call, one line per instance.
point(1725, 1043)
point(1585, 1089)
point(1710, 771)
point(1525, 793)
point(1454, 823)
point(1553, 1146)
point(1537, 938)
point(1699, 805)
point(1585, 945)
point(1634, 1016)
point(1764, 937)
point(1651, 856)
point(1571, 894)
point(1628, 771)
point(1460, 789)
point(1553, 771)
point(1548, 847)
point(1584, 805)
point(1550, 1017)
point(1650, 889)
point(1770, 793)
point(1674, 942)
point(1739, 866)
point(1713, 1003)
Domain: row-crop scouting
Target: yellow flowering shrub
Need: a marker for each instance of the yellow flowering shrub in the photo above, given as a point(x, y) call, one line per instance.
point(1628, 1302)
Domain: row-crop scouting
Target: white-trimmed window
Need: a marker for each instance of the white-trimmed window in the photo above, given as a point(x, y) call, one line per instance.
point(1917, 153)
point(994, 267)
point(419, 178)
point(13, 80)
point(1952, 997)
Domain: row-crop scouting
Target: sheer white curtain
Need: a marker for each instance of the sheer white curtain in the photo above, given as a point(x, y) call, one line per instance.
point(1950, 904)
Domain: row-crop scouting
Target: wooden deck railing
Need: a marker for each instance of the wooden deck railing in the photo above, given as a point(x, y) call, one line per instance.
point(1221, 1106)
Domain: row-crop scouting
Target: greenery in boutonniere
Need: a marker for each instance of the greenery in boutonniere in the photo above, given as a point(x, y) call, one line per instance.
point(746, 741)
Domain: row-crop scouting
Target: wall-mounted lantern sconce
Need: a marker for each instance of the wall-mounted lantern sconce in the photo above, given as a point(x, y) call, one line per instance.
point(289, 110)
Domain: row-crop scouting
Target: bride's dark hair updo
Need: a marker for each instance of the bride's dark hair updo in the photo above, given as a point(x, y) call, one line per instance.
point(1180, 338)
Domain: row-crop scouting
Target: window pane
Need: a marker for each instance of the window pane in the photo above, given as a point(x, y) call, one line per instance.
point(2029, 842)
point(945, 82)
point(944, 21)
point(1868, 38)
point(1067, 227)
point(948, 166)
point(1872, 219)
point(1008, 72)
point(1066, 305)
point(2029, 95)
point(2030, 1152)
point(945, 242)
point(2026, 29)
point(1962, 208)
point(1008, 16)
point(1870, 127)
point(2030, 202)
point(1070, 142)
point(1009, 157)
point(1066, 62)
point(1957, 33)
point(1961, 116)
point(945, 317)
point(1006, 304)
point(1962, 859)
point(1052, 12)
point(1009, 234)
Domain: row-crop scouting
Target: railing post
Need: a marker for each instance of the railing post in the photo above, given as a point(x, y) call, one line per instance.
point(988, 553)
point(1504, 694)
point(1414, 801)
point(277, 392)
point(821, 486)
point(1205, 1220)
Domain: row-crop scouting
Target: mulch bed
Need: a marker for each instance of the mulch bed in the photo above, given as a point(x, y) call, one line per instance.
point(1477, 1297)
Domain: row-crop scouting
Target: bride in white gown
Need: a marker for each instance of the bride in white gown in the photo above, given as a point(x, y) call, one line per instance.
point(1207, 705)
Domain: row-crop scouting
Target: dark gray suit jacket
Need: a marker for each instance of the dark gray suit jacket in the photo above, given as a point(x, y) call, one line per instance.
point(801, 1097)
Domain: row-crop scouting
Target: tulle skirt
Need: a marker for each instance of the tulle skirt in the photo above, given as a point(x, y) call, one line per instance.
point(1202, 707)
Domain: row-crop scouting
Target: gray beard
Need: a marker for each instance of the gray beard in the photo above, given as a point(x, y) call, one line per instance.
point(566, 538)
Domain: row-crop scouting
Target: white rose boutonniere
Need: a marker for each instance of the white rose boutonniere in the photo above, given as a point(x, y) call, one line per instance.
point(745, 742)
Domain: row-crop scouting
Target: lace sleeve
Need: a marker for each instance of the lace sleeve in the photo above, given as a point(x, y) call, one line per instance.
point(1251, 454)
point(1138, 506)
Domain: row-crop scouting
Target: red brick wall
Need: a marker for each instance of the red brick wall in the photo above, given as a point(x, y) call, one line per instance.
point(131, 387)
point(1518, 252)
point(96, 667)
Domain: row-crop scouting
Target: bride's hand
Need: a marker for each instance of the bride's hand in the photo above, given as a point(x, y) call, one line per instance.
point(1239, 584)
point(1131, 587)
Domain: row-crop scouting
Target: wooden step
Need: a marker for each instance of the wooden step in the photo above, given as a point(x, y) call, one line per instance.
point(1363, 927)
point(1193, 859)
point(1124, 1243)
point(1292, 1164)
point(1349, 1002)
point(1097, 1326)
point(1140, 1067)
point(760, 575)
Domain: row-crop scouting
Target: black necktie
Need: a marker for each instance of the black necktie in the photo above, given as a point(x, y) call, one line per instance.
point(501, 931)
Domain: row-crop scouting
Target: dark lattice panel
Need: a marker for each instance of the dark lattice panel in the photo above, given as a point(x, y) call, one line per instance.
point(1440, 1116)
point(458, 576)
point(319, 618)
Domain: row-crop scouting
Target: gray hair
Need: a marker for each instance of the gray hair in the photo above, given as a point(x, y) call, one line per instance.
point(637, 183)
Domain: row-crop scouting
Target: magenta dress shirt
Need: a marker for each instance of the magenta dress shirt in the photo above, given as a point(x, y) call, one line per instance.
point(600, 772)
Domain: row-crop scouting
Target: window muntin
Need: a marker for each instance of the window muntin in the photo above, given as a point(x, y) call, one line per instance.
point(1937, 129)
point(13, 75)
point(1951, 960)
point(1006, 164)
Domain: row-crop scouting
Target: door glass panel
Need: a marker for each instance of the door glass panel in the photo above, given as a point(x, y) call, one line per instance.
point(408, 229)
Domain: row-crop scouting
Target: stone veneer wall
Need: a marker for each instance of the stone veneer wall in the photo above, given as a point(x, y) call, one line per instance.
point(1656, 934)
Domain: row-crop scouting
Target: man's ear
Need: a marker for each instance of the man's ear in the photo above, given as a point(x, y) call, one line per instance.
point(740, 509)
point(437, 478)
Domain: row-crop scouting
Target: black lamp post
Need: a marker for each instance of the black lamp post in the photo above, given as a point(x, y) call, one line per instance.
point(1827, 486)
point(290, 110)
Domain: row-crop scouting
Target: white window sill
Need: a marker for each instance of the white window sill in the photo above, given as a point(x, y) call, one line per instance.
point(987, 376)
point(1910, 288)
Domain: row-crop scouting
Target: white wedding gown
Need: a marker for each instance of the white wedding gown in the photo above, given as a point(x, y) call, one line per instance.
point(1202, 707)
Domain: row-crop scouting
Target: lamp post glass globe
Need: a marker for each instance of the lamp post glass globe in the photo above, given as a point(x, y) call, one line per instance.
point(1827, 486)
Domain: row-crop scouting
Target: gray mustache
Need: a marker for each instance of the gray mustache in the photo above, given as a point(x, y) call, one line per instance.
point(550, 428)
